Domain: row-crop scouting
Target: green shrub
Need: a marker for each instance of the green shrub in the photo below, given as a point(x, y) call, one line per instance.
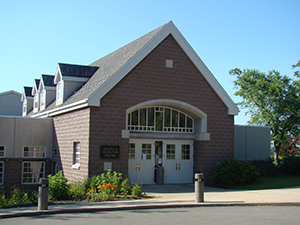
point(16, 198)
point(126, 188)
point(77, 190)
point(110, 185)
point(290, 165)
point(266, 167)
point(58, 187)
point(137, 191)
point(233, 172)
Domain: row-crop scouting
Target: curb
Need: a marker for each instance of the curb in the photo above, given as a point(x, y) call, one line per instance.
point(139, 207)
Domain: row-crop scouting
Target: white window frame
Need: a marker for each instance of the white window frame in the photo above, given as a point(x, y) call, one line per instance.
point(25, 106)
point(76, 155)
point(34, 179)
point(152, 128)
point(43, 98)
point(35, 150)
point(36, 101)
point(59, 95)
point(2, 173)
point(2, 149)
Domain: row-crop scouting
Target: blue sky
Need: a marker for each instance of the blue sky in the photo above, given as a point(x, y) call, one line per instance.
point(256, 34)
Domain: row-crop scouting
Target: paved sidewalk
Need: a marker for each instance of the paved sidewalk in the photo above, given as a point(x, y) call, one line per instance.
point(166, 196)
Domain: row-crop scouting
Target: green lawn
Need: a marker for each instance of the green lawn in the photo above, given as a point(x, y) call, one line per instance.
point(271, 182)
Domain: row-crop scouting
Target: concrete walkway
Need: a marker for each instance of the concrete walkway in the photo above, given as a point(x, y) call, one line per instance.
point(166, 196)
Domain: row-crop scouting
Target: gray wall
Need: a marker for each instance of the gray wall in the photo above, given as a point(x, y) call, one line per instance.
point(17, 132)
point(251, 142)
point(10, 103)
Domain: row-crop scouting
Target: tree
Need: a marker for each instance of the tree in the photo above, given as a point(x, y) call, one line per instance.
point(290, 147)
point(271, 100)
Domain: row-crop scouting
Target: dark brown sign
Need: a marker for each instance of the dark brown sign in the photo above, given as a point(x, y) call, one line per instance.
point(109, 151)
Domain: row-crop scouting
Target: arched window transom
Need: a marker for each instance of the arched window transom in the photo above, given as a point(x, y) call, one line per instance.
point(159, 119)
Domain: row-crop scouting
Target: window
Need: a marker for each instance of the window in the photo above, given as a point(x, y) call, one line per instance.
point(1, 173)
point(185, 152)
point(34, 152)
point(146, 151)
point(2, 151)
point(25, 106)
point(131, 151)
point(76, 153)
point(170, 151)
point(59, 90)
point(32, 171)
point(43, 98)
point(160, 119)
point(36, 100)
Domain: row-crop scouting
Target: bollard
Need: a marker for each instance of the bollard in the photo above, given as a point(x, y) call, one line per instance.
point(43, 194)
point(199, 187)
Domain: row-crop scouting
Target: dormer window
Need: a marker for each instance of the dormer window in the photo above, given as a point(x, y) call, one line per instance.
point(25, 106)
point(36, 101)
point(60, 91)
point(43, 98)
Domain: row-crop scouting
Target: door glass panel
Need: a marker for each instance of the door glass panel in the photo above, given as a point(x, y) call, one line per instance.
point(131, 151)
point(146, 152)
point(170, 151)
point(185, 152)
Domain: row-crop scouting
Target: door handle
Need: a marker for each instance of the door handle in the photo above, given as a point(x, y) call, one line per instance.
point(139, 166)
point(136, 166)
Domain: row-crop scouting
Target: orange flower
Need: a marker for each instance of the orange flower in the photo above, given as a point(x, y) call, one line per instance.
point(88, 193)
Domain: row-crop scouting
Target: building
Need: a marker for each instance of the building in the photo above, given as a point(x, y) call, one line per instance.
point(152, 103)
point(10, 104)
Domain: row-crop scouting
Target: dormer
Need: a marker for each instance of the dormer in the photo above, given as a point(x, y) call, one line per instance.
point(47, 90)
point(69, 78)
point(27, 99)
point(36, 95)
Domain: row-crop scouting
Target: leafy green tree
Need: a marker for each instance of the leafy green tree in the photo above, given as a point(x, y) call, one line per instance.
point(271, 100)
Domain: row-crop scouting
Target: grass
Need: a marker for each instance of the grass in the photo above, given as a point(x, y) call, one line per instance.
point(271, 182)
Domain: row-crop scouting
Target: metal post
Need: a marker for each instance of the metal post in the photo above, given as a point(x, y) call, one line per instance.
point(199, 187)
point(43, 194)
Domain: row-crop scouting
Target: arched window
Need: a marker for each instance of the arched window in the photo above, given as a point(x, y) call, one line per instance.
point(159, 119)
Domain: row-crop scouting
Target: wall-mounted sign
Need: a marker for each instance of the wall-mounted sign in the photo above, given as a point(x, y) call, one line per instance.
point(109, 151)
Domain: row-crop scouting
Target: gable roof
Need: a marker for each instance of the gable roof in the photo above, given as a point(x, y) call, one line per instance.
point(115, 66)
point(48, 80)
point(35, 87)
point(26, 93)
point(10, 92)
point(71, 71)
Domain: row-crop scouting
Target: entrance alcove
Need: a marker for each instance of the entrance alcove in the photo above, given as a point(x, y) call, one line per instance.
point(172, 124)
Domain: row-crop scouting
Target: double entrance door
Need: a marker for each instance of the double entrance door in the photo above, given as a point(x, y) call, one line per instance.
point(175, 156)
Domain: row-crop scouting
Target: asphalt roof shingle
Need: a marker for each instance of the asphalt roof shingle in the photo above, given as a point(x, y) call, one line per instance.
point(27, 91)
point(48, 80)
point(77, 70)
point(101, 70)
